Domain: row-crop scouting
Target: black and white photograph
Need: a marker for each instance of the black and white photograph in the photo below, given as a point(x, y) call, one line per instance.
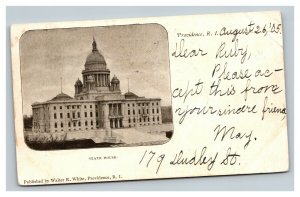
point(96, 87)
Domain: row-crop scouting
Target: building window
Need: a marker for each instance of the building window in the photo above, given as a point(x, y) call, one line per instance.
point(129, 120)
point(152, 104)
point(153, 119)
point(73, 106)
point(74, 124)
point(140, 119)
point(133, 111)
point(61, 115)
point(86, 124)
point(157, 110)
point(54, 107)
point(128, 112)
point(139, 111)
point(91, 114)
point(85, 114)
point(134, 120)
point(133, 104)
point(68, 115)
point(97, 123)
point(147, 111)
point(69, 124)
point(55, 125)
point(96, 114)
point(78, 114)
point(157, 118)
point(79, 124)
point(54, 115)
point(91, 106)
point(67, 107)
point(73, 114)
point(144, 119)
point(77, 106)
point(156, 103)
point(60, 107)
point(96, 106)
point(148, 119)
point(143, 111)
point(61, 125)
point(84, 106)
point(152, 111)
point(91, 123)
point(128, 105)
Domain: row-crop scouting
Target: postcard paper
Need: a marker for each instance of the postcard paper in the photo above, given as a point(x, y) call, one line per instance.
point(149, 98)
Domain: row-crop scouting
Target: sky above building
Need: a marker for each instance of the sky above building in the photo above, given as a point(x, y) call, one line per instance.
point(137, 52)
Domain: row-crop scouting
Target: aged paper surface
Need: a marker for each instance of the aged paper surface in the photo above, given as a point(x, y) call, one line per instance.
point(150, 98)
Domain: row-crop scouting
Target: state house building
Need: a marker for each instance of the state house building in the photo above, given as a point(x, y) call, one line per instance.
point(98, 103)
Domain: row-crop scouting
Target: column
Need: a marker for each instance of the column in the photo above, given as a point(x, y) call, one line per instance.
point(117, 123)
point(117, 110)
point(101, 78)
point(122, 108)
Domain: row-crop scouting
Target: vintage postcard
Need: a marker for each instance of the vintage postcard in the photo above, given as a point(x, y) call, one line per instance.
point(149, 98)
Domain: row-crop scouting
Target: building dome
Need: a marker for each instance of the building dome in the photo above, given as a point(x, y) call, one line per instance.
point(61, 97)
point(78, 82)
point(115, 80)
point(95, 59)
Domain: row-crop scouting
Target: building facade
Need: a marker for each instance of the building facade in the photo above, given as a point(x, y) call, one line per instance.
point(98, 104)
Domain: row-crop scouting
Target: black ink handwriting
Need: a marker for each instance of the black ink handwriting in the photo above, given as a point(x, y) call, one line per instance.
point(181, 51)
point(179, 92)
point(233, 134)
point(224, 52)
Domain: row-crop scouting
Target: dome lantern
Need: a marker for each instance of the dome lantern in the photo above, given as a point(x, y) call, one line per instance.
point(94, 45)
